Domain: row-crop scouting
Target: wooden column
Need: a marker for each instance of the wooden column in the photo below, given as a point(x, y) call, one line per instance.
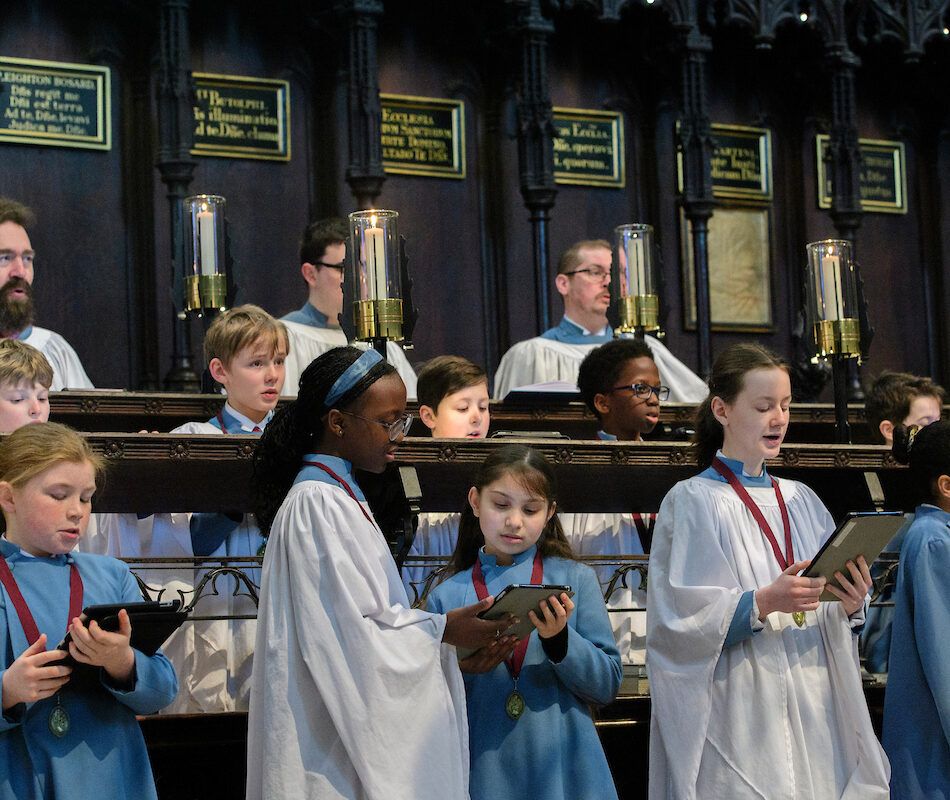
point(536, 141)
point(364, 172)
point(175, 165)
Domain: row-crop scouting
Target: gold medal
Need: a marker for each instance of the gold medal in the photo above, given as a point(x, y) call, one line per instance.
point(799, 617)
point(515, 705)
point(58, 721)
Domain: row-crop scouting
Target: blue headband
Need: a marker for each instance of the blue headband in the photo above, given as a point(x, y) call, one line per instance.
point(351, 376)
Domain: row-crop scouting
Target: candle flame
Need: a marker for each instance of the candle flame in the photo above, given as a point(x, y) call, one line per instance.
point(372, 221)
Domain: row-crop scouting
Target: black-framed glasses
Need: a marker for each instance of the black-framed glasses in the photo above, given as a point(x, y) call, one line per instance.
point(592, 274)
point(644, 390)
point(341, 266)
point(395, 429)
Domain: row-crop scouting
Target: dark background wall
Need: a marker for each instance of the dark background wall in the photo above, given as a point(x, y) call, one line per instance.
point(104, 273)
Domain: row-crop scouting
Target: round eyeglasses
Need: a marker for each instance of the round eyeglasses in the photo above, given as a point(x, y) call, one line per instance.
point(395, 429)
point(644, 390)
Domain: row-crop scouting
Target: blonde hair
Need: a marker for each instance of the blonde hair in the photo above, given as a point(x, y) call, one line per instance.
point(240, 327)
point(20, 361)
point(33, 449)
point(571, 258)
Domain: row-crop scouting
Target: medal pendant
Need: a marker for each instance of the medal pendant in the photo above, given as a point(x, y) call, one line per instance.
point(515, 705)
point(58, 721)
point(799, 617)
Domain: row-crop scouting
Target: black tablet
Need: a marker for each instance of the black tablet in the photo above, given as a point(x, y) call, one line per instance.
point(520, 598)
point(152, 624)
point(860, 534)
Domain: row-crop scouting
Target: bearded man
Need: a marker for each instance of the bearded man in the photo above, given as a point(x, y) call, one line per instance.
point(16, 299)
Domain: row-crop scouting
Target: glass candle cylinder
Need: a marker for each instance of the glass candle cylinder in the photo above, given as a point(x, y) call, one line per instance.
point(374, 255)
point(832, 298)
point(635, 281)
point(205, 273)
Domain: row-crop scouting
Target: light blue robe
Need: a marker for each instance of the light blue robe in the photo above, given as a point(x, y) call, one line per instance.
point(103, 753)
point(571, 333)
point(917, 703)
point(308, 314)
point(552, 751)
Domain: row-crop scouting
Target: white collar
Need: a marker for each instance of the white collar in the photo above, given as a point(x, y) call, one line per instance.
point(247, 424)
point(584, 332)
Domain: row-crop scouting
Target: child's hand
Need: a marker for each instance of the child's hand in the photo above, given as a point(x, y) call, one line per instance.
point(490, 656)
point(105, 649)
point(463, 628)
point(852, 594)
point(789, 592)
point(34, 675)
point(555, 612)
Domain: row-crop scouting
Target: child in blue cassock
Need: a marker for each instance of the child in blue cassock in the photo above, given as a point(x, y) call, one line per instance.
point(64, 735)
point(917, 704)
point(530, 728)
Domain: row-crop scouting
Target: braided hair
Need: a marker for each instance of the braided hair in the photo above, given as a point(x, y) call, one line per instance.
point(299, 427)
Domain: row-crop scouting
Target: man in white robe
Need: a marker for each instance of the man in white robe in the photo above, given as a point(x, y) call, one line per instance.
point(583, 281)
point(16, 299)
point(314, 328)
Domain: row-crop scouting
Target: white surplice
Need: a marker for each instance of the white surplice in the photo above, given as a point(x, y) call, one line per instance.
point(780, 715)
point(68, 372)
point(541, 360)
point(308, 341)
point(353, 694)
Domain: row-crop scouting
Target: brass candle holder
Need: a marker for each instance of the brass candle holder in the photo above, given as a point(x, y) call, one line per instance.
point(375, 257)
point(205, 281)
point(635, 281)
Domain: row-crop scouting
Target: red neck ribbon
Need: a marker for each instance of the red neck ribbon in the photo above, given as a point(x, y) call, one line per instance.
point(481, 590)
point(23, 610)
point(786, 560)
point(343, 483)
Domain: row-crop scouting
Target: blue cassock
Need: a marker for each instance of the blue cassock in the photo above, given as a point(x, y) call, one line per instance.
point(569, 333)
point(308, 314)
point(917, 703)
point(553, 751)
point(211, 532)
point(103, 753)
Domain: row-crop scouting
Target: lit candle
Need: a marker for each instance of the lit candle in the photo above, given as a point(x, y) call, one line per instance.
point(376, 259)
point(206, 242)
point(635, 259)
point(830, 289)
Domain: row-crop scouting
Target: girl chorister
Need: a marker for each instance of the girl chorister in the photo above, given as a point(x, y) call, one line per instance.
point(531, 732)
point(353, 693)
point(63, 733)
point(755, 684)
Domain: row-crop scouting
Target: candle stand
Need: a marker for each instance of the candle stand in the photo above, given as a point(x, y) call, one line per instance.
point(635, 281)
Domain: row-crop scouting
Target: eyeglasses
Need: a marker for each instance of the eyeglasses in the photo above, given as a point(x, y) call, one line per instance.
point(395, 429)
point(595, 275)
point(341, 266)
point(644, 390)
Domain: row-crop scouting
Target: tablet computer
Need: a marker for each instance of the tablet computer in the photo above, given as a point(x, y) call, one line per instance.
point(520, 598)
point(152, 624)
point(861, 533)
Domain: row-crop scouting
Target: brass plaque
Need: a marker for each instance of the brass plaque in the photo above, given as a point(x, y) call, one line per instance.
point(240, 117)
point(55, 103)
point(423, 136)
point(588, 148)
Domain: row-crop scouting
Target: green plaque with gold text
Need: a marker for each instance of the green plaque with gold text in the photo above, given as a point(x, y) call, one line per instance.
point(741, 163)
point(55, 103)
point(240, 117)
point(588, 148)
point(423, 136)
point(883, 176)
